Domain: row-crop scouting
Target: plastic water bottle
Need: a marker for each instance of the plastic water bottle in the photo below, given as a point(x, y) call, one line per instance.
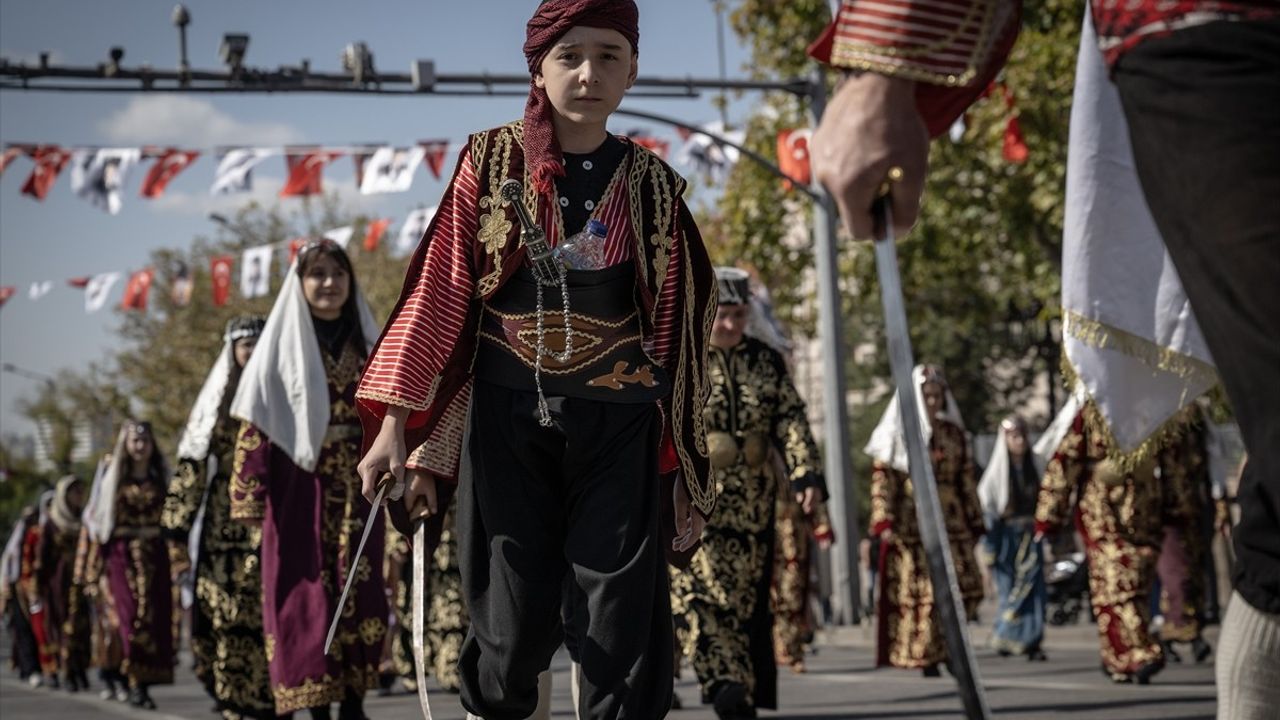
point(585, 250)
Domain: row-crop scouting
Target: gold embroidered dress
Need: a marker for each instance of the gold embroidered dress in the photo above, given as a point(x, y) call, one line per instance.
point(723, 599)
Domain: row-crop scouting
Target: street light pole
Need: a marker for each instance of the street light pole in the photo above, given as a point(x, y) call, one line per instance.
point(838, 464)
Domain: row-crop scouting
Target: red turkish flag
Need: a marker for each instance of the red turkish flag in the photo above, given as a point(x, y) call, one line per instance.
point(793, 155)
point(295, 246)
point(167, 166)
point(434, 158)
point(220, 274)
point(306, 173)
point(137, 290)
point(79, 282)
point(6, 292)
point(49, 163)
point(373, 235)
point(1015, 148)
point(659, 147)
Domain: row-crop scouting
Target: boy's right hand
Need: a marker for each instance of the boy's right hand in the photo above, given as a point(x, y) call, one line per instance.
point(386, 454)
point(420, 494)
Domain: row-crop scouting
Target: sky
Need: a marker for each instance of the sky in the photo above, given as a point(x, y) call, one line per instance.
point(65, 236)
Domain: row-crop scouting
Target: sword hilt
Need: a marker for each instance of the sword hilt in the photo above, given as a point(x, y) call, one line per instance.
point(532, 236)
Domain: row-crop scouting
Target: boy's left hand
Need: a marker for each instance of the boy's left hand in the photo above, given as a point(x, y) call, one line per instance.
point(689, 522)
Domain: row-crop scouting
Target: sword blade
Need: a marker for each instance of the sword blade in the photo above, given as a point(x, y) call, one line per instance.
point(933, 530)
point(355, 562)
point(419, 614)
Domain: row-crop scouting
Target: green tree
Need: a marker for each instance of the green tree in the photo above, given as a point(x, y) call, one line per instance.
point(981, 270)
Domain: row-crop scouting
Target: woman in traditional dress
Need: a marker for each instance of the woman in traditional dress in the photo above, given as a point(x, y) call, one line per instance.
point(123, 523)
point(294, 476)
point(57, 553)
point(1008, 491)
point(226, 617)
point(23, 654)
point(908, 634)
point(724, 598)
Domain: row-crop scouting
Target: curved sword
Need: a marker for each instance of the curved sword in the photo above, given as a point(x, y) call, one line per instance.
point(419, 551)
point(383, 486)
point(933, 530)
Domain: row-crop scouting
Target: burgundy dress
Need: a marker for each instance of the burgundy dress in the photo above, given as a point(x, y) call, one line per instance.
point(136, 567)
point(311, 524)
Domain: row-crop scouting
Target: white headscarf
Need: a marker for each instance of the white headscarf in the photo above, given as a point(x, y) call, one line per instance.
point(1052, 437)
point(11, 559)
point(888, 442)
point(993, 488)
point(283, 389)
point(202, 420)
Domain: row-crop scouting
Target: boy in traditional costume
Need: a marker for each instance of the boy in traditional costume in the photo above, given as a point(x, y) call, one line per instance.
point(555, 399)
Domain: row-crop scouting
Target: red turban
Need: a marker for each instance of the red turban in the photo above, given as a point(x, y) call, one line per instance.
point(543, 159)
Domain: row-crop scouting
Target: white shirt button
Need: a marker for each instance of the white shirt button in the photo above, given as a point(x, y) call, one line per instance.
point(591, 205)
point(587, 164)
point(564, 202)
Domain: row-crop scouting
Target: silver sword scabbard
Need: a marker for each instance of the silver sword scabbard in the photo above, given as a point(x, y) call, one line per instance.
point(532, 236)
point(383, 486)
point(933, 530)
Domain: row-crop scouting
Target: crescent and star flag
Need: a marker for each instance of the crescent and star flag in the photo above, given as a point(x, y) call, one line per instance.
point(306, 172)
point(220, 278)
point(166, 168)
point(11, 153)
point(793, 155)
point(6, 292)
point(659, 147)
point(49, 163)
point(137, 290)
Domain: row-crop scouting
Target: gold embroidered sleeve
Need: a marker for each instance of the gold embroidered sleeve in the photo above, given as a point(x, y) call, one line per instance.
point(794, 437)
point(1061, 478)
point(182, 501)
point(249, 474)
point(886, 489)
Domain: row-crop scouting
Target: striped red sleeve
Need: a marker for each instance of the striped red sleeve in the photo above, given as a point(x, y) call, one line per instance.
point(953, 48)
point(406, 367)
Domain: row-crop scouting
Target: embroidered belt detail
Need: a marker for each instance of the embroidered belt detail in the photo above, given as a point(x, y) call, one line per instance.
point(592, 337)
point(619, 378)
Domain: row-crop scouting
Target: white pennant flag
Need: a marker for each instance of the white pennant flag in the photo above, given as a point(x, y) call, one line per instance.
point(233, 174)
point(391, 169)
point(341, 235)
point(40, 289)
point(415, 226)
point(98, 175)
point(255, 272)
point(707, 155)
point(95, 292)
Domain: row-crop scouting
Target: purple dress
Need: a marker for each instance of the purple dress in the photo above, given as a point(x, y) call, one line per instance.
point(136, 567)
point(311, 524)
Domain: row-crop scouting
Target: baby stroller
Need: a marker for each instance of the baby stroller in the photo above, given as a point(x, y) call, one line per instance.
point(1067, 583)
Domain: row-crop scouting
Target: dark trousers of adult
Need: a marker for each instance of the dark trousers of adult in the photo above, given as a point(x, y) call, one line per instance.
point(578, 498)
point(1203, 107)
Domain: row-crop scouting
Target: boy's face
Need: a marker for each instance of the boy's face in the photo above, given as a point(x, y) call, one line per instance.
point(587, 72)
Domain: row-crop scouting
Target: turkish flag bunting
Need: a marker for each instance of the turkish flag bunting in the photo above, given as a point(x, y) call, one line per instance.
point(79, 282)
point(360, 159)
point(167, 166)
point(793, 155)
point(306, 172)
point(220, 273)
point(6, 292)
point(373, 235)
point(49, 163)
point(434, 158)
point(137, 290)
